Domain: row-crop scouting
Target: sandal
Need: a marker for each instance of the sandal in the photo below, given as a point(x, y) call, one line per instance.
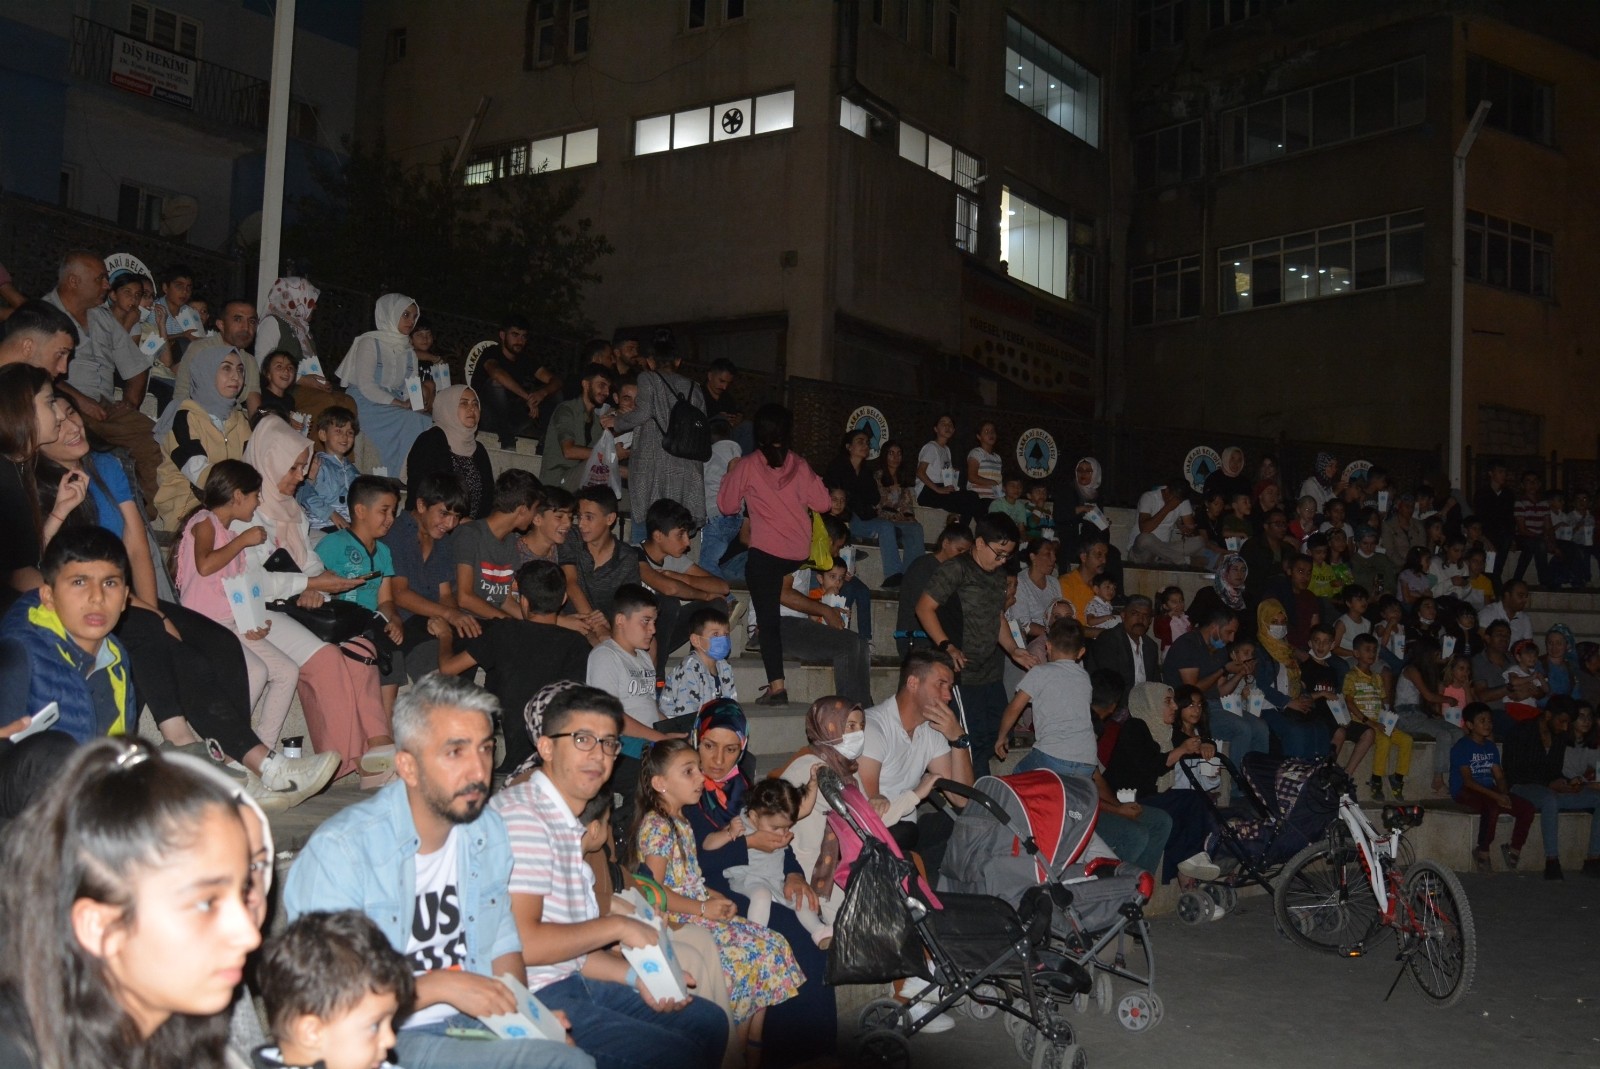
point(378, 760)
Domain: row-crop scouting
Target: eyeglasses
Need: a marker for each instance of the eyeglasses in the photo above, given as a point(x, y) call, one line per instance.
point(585, 740)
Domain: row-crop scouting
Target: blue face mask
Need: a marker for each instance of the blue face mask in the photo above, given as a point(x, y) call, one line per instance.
point(1218, 644)
point(719, 647)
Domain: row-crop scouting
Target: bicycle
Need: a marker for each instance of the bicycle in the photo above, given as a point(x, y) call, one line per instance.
point(1339, 894)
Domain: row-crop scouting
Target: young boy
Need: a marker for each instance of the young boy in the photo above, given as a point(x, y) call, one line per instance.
point(358, 550)
point(56, 643)
point(1321, 678)
point(552, 520)
point(1236, 525)
point(1364, 691)
point(1010, 502)
point(681, 586)
point(1354, 622)
point(830, 589)
point(486, 549)
point(332, 986)
point(177, 290)
point(1040, 522)
point(704, 673)
point(503, 650)
point(596, 563)
point(1101, 615)
point(1526, 655)
point(1059, 689)
point(324, 495)
point(1478, 782)
point(621, 666)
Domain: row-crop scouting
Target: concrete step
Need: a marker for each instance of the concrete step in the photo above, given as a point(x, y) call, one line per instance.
point(1585, 624)
point(806, 682)
point(1449, 834)
point(1564, 601)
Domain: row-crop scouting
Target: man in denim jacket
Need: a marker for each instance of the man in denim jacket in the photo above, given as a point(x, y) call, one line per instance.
point(430, 866)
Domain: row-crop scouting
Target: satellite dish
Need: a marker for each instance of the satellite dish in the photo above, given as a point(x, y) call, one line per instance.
point(178, 215)
point(249, 232)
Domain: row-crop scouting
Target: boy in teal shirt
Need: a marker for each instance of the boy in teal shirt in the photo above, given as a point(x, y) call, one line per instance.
point(1012, 504)
point(356, 551)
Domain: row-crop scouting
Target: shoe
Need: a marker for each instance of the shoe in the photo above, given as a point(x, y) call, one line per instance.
point(752, 640)
point(773, 697)
point(1552, 869)
point(736, 609)
point(378, 760)
point(1375, 785)
point(922, 997)
point(298, 778)
point(1200, 867)
point(1510, 855)
point(1591, 866)
point(1481, 863)
point(892, 581)
point(371, 781)
point(208, 750)
point(1397, 787)
point(269, 800)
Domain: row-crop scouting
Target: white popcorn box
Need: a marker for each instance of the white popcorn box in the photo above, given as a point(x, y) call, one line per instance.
point(1234, 542)
point(1098, 517)
point(657, 966)
point(245, 600)
point(1383, 502)
point(1488, 561)
point(1452, 715)
point(151, 344)
point(1231, 704)
point(1016, 633)
point(1341, 713)
point(189, 319)
point(532, 1019)
point(1387, 720)
point(441, 375)
point(414, 392)
point(951, 477)
point(1447, 646)
point(310, 365)
point(1258, 702)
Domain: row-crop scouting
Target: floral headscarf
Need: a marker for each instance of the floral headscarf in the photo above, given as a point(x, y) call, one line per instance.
point(533, 717)
point(1322, 462)
point(825, 721)
point(1232, 597)
point(292, 299)
point(720, 802)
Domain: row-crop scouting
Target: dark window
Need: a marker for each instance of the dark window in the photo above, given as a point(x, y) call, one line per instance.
point(1227, 12)
point(697, 14)
point(397, 44)
point(734, 9)
point(1372, 102)
point(1509, 255)
point(1159, 23)
point(1166, 292)
point(1165, 157)
point(578, 38)
point(1522, 105)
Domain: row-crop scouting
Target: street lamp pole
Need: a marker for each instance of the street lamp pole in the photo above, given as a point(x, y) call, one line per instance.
point(277, 151)
point(1458, 290)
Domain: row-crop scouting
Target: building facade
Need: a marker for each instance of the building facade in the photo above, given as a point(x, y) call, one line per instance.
point(1290, 254)
point(153, 115)
point(900, 195)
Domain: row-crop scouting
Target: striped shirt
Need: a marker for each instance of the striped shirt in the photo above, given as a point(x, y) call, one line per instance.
point(547, 860)
point(1533, 516)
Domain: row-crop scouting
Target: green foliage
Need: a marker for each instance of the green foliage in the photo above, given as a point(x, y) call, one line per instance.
point(476, 251)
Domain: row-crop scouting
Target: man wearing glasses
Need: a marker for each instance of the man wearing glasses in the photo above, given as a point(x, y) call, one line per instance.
point(564, 935)
point(978, 581)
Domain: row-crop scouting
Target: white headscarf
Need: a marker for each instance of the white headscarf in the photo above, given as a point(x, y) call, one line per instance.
point(396, 360)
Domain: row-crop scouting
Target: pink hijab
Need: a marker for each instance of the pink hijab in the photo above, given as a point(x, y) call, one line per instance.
point(273, 449)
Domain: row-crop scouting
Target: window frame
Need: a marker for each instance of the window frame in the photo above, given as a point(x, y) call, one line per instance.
point(1145, 22)
point(1482, 227)
point(1089, 100)
point(752, 127)
point(179, 21)
point(518, 156)
point(1150, 142)
point(1077, 262)
point(1341, 246)
point(1503, 114)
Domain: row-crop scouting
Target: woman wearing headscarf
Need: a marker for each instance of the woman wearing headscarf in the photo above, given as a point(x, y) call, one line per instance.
point(376, 369)
point(286, 327)
point(1229, 480)
point(451, 446)
point(803, 1027)
point(1077, 530)
point(1225, 592)
point(340, 695)
point(208, 427)
point(1325, 483)
point(1559, 663)
point(1292, 715)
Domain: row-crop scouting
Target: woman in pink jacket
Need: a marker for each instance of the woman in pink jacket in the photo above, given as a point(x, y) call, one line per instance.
point(780, 490)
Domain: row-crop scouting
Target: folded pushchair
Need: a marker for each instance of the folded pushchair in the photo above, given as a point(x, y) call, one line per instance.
point(1289, 803)
point(971, 941)
point(1032, 829)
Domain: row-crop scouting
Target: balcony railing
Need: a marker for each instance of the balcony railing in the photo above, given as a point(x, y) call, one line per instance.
point(220, 94)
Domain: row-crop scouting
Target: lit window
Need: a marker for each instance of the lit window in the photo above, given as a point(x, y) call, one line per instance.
point(853, 117)
point(775, 111)
point(1053, 84)
point(652, 135)
point(544, 155)
point(1364, 104)
point(1053, 253)
point(693, 127)
point(690, 128)
point(941, 158)
point(555, 153)
point(913, 144)
point(730, 120)
point(583, 147)
point(1331, 261)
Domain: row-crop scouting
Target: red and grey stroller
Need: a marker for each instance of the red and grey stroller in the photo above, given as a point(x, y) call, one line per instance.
point(976, 947)
point(1033, 829)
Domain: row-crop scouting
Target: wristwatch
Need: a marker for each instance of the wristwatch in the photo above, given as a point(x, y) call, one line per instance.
point(962, 742)
point(943, 644)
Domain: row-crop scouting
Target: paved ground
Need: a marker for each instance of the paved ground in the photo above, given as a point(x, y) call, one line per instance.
point(1238, 995)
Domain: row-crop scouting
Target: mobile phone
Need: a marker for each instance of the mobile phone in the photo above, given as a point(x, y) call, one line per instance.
point(367, 578)
point(43, 720)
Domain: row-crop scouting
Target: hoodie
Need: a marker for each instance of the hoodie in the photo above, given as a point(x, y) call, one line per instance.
point(779, 499)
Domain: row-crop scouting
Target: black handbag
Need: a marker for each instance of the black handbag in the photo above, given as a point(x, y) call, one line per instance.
point(335, 622)
point(874, 939)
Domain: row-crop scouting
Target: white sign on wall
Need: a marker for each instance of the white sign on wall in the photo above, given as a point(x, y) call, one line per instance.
point(152, 72)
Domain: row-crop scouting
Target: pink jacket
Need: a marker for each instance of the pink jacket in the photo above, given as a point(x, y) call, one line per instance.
point(780, 501)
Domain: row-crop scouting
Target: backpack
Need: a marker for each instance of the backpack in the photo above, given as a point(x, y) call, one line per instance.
point(687, 434)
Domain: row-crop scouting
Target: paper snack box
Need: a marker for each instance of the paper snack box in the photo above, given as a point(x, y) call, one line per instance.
point(657, 966)
point(532, 1019)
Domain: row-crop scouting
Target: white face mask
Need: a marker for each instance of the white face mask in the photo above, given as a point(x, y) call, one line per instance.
point(1278, 631)
point(850, 746)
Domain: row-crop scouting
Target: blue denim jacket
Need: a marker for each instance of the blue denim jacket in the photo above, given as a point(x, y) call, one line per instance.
point(364, 858)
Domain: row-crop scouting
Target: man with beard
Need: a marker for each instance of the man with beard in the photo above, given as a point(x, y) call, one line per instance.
point(425, 861)
point(575, 427)
point(514, 387)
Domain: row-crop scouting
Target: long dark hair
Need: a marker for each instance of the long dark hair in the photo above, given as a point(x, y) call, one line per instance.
point(114, 809)
point(905, 475)
point(774, 428)
point(19, 428)
point(645, 800)
point(87, 514)
point(1422, 653)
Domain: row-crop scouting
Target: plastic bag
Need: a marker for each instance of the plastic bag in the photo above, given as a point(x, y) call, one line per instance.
point(821, 545)
point(874, 940)
point(601, 467)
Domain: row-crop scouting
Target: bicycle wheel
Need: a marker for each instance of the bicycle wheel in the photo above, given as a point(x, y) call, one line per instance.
point(1444, 954)
point(1323, 901)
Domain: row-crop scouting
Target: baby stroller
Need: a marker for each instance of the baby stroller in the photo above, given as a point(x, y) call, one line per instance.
point(1037, 828)
point(891, 925)
point(1289, 804)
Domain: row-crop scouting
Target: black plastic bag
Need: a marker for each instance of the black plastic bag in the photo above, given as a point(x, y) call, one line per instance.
point(874, 939)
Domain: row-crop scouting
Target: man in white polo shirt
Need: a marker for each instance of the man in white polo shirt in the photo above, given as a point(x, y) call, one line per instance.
point(614, 1019)
point(1167, 532)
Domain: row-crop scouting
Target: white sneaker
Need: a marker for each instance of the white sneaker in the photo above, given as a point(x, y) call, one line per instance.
point(298, 778)
point(1200, 867)
point(923, 996)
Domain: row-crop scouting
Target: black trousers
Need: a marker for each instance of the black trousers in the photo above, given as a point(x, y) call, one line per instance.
point(201, 678)
point(765, 575)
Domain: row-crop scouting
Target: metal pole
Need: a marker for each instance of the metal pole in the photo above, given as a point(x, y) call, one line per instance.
point(1458, 288)
point(277, 150)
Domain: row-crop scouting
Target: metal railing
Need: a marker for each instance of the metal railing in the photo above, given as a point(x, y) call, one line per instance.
point(221, 94)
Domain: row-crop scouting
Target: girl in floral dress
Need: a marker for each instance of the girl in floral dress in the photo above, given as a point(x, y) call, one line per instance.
point(757, 961)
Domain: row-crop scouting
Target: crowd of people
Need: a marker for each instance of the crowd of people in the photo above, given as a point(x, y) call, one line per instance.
point(274, 532)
